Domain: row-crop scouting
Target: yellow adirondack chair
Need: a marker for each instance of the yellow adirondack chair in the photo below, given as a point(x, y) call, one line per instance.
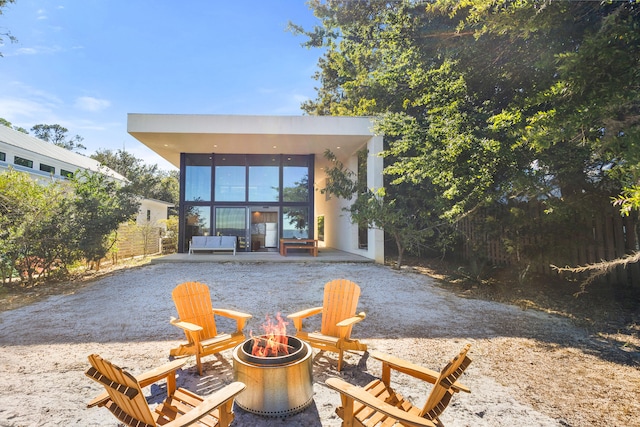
point(196, 317)
point(124, 398)
point(338, 317)
point(378, 404)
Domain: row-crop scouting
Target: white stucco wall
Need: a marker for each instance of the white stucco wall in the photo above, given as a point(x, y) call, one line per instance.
point(375, 180)
point(339, 232)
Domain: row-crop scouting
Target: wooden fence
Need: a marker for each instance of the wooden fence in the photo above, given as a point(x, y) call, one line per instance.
point(538, 244)
point(135, 240)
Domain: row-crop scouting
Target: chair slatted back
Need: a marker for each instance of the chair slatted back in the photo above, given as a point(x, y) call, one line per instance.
point(193, 303)
point(441, 393)
point(340, 302)
point(128, 403)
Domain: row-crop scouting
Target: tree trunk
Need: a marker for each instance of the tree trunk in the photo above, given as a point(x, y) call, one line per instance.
point(400, 252)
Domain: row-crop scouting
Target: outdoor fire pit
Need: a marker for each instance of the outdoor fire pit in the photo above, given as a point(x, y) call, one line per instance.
point(278, 372)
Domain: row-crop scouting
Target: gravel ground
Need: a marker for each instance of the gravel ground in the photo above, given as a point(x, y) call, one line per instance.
point(529, 368)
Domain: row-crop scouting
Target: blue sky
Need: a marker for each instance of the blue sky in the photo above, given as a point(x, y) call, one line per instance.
point(85, 64)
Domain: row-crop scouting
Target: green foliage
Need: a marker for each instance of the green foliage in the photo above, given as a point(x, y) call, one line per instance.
point(486, 103)
point(5, 122)
point(57, 135)
point(7, 34)
point(393, 216)
point(99, 206)
point(46, 228)
point(298, 192)
point(31, 226)
point(171, 235)
point(342, 182)
point(145, 180)
point(399, 217)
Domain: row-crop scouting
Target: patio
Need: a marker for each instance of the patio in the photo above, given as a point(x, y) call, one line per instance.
point(325, 255)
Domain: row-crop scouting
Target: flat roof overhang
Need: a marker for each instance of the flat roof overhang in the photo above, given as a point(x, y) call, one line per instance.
point(171, 134)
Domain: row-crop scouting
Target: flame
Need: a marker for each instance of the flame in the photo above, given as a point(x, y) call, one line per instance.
point(274, 341)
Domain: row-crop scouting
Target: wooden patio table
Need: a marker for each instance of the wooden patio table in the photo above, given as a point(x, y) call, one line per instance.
point(309, 244)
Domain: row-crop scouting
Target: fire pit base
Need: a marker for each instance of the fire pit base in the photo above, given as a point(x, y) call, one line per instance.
point(275, 390)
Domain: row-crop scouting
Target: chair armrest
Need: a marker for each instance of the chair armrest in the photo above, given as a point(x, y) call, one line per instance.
point(414, 370)
point(240, 317)
point(299, 315)
point(305, 313)
point(190, 327)
point(99, 401)
point(160, 372)
point(344, 325)
point(144, 379)
point(209, 404)
point(231, 313)
point(351, 320)
point(360, 395)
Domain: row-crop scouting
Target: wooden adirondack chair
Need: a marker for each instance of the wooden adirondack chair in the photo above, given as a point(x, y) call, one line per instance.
point(196, 317)
point(378, 404)
point(338, 317)
point(124, 398)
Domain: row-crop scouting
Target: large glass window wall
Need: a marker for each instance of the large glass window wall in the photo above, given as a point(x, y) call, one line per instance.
point(264, 178)
point(223, 183)
point(197, 222)
point(197, 182)
point(230, 178)
point(295, 222)
point(295, 179)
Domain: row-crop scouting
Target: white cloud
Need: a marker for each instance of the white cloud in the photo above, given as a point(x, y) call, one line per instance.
point(92, 125)
point(88, 103)
point(24, 104)
point(35, 50)
point(26, 51)
point(42, 14)
point(18, 110)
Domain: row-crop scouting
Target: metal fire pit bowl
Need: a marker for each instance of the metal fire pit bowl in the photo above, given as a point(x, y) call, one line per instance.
point(276, 386)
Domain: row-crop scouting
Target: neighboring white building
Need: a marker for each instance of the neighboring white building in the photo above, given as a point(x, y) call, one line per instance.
point(42, 159)
point(154, 212)
point(45, 161)
point(245, 175)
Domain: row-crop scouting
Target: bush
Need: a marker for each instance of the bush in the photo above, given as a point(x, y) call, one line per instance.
point(47, 227)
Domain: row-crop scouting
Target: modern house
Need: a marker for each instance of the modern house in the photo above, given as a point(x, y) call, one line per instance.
point(47, 162)
point(260, 177)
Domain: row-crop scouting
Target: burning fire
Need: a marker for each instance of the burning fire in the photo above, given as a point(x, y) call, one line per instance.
point(274, 341)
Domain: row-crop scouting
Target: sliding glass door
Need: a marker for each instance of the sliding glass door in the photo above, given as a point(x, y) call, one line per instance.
point(232, 221)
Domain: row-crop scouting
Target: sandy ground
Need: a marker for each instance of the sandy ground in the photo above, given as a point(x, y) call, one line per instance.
point(529, 368)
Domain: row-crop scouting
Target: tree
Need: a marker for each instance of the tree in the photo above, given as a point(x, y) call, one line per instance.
point(46, 229)
point(170, 239)
point(57, 135)
point(398, 217)
point(100, 205)
point(7, 34)
point(168, 188)
point(581, 121)
point(8, 124)
point(379, 62)
point(145, 180)
point(488, 103)
point(33, 227)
